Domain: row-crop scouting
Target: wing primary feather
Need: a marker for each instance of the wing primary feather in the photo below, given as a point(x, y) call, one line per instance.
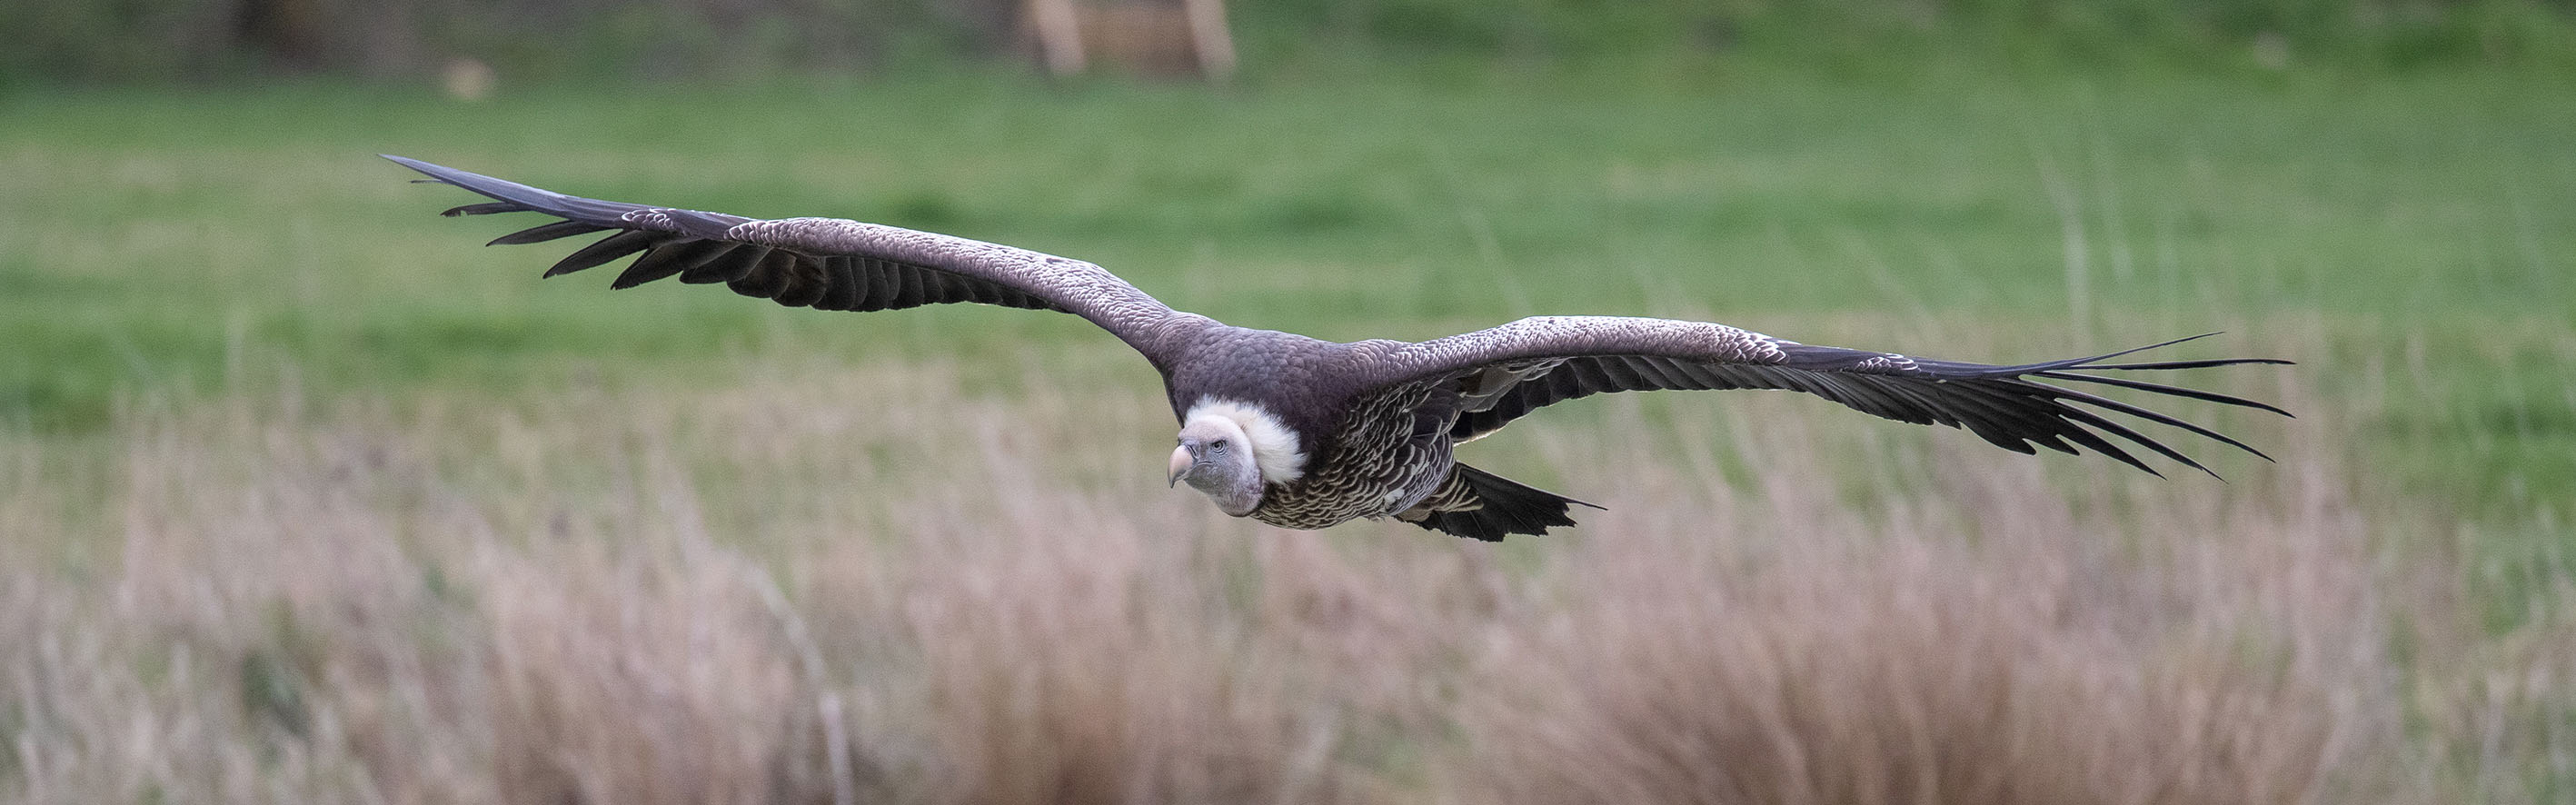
point(2106, 447)
point(2160, 388)
point(2068, 419)
point(2199, 364)
point(668, 259)
point(1856, 396)
point(607, 249)
point(1958, 369)
point(545, 201)
point(2003, 438)
point(2125, 432)
point(2038, 418)
point(1928, 409)
point(485, 208)
point(2142, 413)
point(545, 232)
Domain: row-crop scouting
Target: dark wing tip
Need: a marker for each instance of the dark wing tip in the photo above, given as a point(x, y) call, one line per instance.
point(485, 208)
point(2198, 364)
point(528, 198)
point(2053, 402)
point(2165, 389)
point(433, 171)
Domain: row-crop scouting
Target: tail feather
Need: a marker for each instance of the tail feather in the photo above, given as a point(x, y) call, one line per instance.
point(1480, 505)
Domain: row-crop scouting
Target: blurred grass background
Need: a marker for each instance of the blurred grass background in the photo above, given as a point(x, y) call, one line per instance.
point(206, 269)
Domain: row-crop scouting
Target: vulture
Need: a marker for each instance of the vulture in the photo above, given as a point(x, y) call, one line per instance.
point(1303, 433)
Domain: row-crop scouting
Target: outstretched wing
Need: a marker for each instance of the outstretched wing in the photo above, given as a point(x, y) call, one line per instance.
point(823, 263)
point(1505, 372)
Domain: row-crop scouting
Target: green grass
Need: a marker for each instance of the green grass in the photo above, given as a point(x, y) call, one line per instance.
point(2422, 226)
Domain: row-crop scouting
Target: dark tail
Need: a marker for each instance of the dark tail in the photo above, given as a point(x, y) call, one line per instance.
point(1477, 504)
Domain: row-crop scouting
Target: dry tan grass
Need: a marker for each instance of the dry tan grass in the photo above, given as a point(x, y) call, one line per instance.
point(1985, 644)
point(834, 585)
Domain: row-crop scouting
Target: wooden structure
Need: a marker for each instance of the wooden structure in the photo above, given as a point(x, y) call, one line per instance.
point(1145, 37)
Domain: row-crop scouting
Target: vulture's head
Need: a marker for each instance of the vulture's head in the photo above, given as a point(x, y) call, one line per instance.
point(1232, 451)
point(1216, 458)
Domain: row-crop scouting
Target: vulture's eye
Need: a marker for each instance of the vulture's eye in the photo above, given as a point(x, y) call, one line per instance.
point(1219, 445)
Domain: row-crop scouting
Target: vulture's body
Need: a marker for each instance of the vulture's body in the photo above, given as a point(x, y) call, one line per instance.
point(1303, 433)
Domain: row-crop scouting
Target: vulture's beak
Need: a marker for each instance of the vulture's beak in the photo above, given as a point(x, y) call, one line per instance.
point(1181, 461)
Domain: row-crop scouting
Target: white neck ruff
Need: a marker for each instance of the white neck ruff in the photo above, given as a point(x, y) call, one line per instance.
point(1274, 445)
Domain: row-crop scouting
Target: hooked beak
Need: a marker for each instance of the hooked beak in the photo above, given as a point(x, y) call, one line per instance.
point(1181, 461)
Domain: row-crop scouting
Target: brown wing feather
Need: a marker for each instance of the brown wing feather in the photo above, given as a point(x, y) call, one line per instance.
point(823, 263)
point(1506, 372)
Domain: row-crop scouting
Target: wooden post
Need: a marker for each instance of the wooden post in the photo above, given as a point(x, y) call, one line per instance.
point(1210, 38)
point(1059, 29)
point(1148, 37)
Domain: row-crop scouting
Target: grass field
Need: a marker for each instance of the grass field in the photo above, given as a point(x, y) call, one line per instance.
point(308, 496)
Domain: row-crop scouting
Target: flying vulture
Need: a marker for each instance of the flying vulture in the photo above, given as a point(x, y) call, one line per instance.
point(1302, 433)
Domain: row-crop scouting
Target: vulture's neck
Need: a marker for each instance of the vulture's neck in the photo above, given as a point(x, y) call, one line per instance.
point(1275, 447)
